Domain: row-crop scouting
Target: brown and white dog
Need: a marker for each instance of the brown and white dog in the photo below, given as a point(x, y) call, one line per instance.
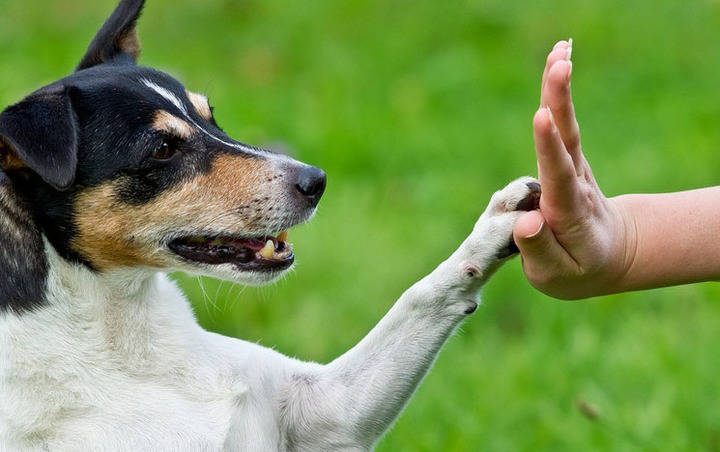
point(115, 174)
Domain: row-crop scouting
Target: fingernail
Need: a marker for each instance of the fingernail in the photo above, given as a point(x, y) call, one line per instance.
point(568, 55)
point(569, 74)
point(536, 233)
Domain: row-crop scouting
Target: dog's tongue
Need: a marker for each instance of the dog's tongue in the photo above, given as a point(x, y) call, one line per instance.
point(255, 244)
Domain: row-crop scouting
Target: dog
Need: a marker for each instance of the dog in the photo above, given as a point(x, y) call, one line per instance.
point(116, 174)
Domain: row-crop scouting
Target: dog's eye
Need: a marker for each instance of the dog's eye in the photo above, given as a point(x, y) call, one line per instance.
point(164, 152)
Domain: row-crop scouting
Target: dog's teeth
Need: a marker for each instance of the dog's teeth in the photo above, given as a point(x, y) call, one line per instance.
point(282, 237)
point(268, 250)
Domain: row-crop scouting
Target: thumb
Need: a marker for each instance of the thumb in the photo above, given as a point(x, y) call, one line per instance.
point(538, 246)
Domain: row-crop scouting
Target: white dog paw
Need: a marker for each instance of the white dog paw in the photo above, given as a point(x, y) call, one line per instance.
point(488, 245)
point(520, 195)
point(492, 235)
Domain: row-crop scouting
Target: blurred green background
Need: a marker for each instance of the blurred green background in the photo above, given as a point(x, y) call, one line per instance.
point(418, 111)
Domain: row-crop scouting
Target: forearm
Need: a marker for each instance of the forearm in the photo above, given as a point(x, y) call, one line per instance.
point(672, 238)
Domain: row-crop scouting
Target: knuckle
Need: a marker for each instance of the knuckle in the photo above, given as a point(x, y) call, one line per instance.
point(540, 119)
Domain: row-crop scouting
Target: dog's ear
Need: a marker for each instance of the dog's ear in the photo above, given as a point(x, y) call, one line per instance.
point(41, 133)
point(117, 40)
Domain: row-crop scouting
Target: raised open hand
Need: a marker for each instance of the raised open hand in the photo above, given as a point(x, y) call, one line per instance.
point(579, 242)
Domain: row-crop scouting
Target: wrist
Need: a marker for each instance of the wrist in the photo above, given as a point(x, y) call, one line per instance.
point(627, 242)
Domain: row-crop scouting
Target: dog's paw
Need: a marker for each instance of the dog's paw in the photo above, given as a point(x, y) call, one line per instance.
point(492, 235)
point(490, 242)
point(520, 195)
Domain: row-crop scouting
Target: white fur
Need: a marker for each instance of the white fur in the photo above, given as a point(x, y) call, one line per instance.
point(117, 362)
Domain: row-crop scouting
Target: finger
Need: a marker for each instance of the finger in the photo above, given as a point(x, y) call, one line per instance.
point(555, 166)
point(558, 53)
point(558, 97)
point(540, 250)
point(528, 224)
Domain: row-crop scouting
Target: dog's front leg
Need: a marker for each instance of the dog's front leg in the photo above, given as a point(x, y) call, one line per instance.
point(349, 403)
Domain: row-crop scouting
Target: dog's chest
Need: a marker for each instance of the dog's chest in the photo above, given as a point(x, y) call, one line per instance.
point(134, 415)
point(141, 414)
point(129, 381)
point(85, 408)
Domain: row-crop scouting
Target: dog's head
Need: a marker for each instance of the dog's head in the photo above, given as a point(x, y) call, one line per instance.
point(123, 167)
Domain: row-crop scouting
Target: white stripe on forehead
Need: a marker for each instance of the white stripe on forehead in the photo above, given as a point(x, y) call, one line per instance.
point(167, 94)
point(173, 99)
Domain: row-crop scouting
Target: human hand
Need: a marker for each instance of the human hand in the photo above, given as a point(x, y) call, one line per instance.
point(580, 243)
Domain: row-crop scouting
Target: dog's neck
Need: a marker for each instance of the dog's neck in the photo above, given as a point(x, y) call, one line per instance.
point(58, 314)
point(129, 310)
point(84, 287)
point(32, 274)
point(129, 316)
point(93, 332)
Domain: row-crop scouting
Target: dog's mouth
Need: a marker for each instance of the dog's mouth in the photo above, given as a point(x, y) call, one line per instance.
point(263, 253)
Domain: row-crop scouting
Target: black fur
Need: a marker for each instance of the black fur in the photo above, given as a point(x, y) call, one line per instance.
point(107, 47)
point(43, 130)
point(23, 266)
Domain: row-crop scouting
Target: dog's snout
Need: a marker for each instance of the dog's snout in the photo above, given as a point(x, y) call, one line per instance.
point(311, 183)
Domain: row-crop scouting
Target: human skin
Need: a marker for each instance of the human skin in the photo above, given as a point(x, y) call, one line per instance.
point(581, 244)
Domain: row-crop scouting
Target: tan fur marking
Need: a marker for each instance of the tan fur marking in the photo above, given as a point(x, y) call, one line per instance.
point(106, 230)
point(114, 234)
point(130, 44)
point(9, 159)
point(166, 122)
point(201, 104)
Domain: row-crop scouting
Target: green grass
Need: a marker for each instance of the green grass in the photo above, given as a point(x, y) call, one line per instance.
point(418, 111)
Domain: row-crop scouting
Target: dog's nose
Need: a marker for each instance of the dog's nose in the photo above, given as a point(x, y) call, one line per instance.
point(311, 183)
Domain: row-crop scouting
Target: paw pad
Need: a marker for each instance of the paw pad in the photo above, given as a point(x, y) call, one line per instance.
point(532, 200)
